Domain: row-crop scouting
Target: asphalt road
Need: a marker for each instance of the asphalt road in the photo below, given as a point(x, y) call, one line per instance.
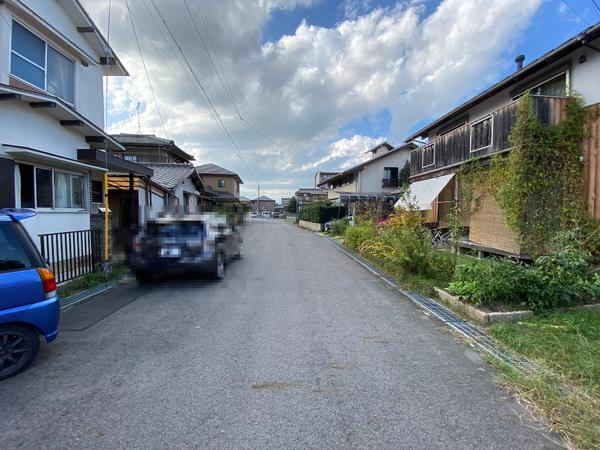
point(299, 347)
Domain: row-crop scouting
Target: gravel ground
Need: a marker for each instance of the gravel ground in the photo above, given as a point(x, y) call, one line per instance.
point(299, 347)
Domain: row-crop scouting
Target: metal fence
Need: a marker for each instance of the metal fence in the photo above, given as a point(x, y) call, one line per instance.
point(72, 254)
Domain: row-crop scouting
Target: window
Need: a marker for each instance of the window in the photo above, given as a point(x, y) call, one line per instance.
point(49, 188)
point(133, 158)
point(555, 87)
point(16, 250)
point(221, 183)
point(390, 173)
point(43, 183)
point(481, 134)
point(39, 64)
point(428, 156)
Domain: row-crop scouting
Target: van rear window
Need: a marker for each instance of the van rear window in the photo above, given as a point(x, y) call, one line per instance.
point(16, 250)
point(174, 229)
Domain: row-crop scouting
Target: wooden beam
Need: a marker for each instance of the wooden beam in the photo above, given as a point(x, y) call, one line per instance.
point(42, 104)
point(95, 139)
point(10, 96)
point(71, 123)
point(86, 29)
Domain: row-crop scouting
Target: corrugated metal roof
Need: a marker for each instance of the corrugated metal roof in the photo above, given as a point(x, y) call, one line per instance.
point(312, 191)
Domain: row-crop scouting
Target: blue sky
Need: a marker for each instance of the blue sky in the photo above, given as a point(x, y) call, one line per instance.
point(553, 24)
point(325, 79)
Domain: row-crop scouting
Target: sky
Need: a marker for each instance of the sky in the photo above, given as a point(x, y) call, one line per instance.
point(279, 89)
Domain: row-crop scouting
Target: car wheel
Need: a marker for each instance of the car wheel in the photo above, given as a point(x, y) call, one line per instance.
point(143, 277)
point(218, 271)
point(18, 348)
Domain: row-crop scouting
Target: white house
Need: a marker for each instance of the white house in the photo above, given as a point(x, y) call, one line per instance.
point(378, 175)
point(52, 63)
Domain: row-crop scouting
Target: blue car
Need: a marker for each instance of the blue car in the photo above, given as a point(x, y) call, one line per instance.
point(29, 305)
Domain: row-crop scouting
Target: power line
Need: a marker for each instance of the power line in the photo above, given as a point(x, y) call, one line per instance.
point(146, 70)
point(596, 6)
point(212, 106)
point(575, 11)
point(224, 84)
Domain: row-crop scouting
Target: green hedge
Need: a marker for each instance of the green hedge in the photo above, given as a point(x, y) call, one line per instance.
point(319, 213)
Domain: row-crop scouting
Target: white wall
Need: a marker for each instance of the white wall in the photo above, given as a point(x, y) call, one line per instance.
point(35, 128)
point(187, 186)
point(88, 80)
point(56, 222)
point(369, 178)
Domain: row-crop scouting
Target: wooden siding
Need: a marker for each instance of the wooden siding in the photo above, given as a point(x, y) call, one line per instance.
point(454, 148)
point(590, 149)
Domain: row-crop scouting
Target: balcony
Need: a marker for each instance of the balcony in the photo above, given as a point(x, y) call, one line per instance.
point(480, 138)
point(390, 182)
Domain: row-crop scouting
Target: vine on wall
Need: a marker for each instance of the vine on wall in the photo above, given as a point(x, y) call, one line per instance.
point(539, 184)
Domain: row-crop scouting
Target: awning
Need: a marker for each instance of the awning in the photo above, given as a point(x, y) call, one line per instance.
point(425, 192)
point(32, 155)
point(116, 165)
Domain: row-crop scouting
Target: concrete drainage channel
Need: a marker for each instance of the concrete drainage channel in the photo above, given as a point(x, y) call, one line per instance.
point(465, 328)
point(84, 295)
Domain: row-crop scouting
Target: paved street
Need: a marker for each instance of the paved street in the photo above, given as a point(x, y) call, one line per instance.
point(299, 347)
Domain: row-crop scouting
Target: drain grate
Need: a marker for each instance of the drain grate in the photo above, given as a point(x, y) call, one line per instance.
point(479, 338)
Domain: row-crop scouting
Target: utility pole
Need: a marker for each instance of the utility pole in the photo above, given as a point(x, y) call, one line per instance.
point(258, 201)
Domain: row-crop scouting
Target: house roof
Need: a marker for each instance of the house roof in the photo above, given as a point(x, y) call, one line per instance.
point(150, 140)
point(263, 198)
point(223, 196)
point(244, 199)
point(378, 146)
point(540, 63)
point(312, 191)
point(410, 146)
point(213, 169)
point(171, 175)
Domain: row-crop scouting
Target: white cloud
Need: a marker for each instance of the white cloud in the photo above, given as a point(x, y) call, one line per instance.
point(349, 151)
point(301, 89)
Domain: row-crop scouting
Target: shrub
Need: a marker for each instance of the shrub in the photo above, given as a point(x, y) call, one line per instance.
point(362, 231)
point(559, 279)
point(402, 242)
point(338, 227)
point(320, 213)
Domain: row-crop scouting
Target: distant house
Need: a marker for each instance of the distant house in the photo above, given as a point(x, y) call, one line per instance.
point(481, 127)
point(175, 186)
point(308, 195)
point(221, 183)
point(374, 178)
point(284, 202)
point(322, 177)
point(262, 204)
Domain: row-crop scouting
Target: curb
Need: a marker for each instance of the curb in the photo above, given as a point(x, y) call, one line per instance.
point(477, 337)
point(84, 295)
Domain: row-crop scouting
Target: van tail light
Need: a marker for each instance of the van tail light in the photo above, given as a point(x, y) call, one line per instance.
point(48, 282)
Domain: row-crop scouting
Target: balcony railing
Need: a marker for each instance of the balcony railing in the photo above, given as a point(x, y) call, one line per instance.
point(456, 146)
point(390, 182)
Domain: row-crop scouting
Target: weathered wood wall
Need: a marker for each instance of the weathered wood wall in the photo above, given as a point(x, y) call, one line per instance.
point(488, 227)
point(454, 147)
point(590, 149)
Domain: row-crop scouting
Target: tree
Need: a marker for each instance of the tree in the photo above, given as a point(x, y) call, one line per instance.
point(292, 205)
point(404, 174)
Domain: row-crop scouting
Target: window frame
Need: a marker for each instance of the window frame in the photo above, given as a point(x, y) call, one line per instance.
point(85, 188)
point(219, 182)
point(483, 119)
point(426, 147)
point(45, 68)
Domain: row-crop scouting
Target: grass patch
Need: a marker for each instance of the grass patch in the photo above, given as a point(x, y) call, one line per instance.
point(568, 395)
point(90, 280)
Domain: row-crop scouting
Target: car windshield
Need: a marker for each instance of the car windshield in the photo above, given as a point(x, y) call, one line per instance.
point(14, 251)
point(175, 229)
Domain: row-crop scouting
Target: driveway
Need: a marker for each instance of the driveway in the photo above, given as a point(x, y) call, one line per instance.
point(299, 347)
